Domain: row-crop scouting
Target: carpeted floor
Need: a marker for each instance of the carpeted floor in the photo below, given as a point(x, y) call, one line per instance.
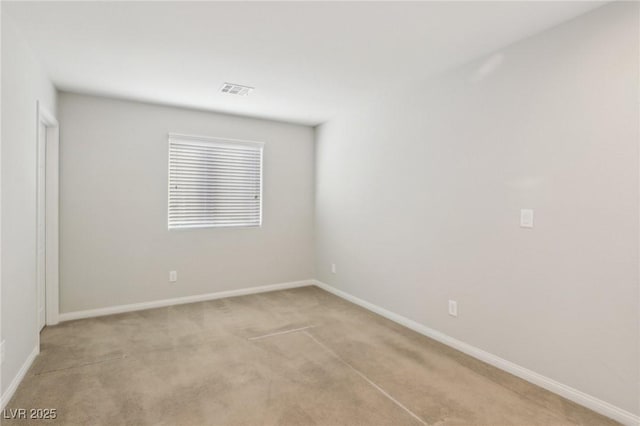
point(294, 357)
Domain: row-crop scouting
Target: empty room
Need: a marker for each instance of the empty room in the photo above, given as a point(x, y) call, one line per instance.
point(320, 213)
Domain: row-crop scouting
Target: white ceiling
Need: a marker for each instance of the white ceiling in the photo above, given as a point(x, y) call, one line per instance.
point(307, 60)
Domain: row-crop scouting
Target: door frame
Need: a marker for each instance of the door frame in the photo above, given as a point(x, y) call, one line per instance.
point(51, 206)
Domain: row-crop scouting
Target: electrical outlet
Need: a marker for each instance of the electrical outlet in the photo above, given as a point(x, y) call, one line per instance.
point(453, 308)
point(333, 268)
point(173, 276)
point(2, 352)
point(526, 218)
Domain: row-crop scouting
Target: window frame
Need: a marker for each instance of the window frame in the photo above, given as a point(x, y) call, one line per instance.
point(209, 141)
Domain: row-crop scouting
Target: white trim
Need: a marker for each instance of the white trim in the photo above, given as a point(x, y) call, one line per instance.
point(8, 394)
point(209, 140)
point(579, 397)
point(52, 203)
point(68, 316)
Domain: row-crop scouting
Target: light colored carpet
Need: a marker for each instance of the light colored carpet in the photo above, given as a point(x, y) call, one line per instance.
point(236, 361)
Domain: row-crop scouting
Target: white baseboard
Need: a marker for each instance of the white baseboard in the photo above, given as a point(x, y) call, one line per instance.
point(68, 316)
point(561, 389)
point(8, 394)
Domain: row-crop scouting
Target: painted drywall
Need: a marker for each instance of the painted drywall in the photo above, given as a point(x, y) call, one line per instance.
point(115, 248)
point(418, 199)
point(23, 83)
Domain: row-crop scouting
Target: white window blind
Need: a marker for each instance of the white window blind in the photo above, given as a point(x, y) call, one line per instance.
point(214, 182)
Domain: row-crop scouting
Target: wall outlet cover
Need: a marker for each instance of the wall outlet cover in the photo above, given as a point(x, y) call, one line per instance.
point(453, 308)
point(526, 218)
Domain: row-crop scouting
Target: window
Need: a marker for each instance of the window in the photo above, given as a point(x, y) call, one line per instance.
point(214, 182)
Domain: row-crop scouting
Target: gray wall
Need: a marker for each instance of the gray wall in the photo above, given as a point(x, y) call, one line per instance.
point(114, 244)
point(23, 84)
point(418, 199)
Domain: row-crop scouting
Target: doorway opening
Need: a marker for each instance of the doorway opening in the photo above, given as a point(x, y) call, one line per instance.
point(47, 153)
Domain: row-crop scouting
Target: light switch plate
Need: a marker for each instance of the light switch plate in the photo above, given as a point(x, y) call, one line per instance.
point(526, 218)
point(173, 276)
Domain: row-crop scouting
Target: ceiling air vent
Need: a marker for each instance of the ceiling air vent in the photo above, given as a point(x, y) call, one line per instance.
point(236, 89)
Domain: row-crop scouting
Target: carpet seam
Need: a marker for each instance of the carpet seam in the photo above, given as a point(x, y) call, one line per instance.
point(363, 376)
